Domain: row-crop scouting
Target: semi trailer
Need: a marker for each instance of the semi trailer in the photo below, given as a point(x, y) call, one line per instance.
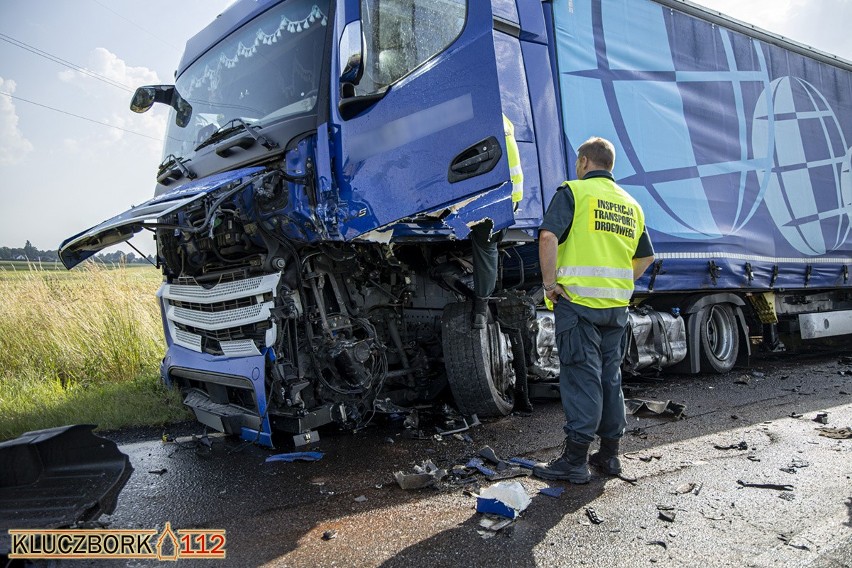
point(325, 160)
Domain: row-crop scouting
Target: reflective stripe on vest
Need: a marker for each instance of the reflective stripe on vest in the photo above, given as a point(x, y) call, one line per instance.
point(514, 157)
point(594, 264)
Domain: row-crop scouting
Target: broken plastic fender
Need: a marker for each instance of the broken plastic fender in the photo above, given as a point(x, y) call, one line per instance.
point(507, 499)
point(296, 456)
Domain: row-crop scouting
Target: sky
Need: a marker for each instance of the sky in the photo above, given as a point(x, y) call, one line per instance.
point(61, 174)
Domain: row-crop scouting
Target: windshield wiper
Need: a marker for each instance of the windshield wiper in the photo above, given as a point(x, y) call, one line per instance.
point(232, 126)
point(173, 168)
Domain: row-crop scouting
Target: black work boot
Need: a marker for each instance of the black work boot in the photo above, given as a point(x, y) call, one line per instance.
point(571, 466)
point(479, 315)
point(606, 459)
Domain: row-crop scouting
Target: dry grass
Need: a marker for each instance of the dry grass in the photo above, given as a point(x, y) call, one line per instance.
point(81, 346)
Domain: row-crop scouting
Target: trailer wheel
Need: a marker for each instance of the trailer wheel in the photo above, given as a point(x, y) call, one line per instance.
point(478, 363)
point(719, 337)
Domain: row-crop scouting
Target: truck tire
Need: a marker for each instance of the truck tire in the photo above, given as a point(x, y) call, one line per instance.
point(478, 363)
point(719, 337)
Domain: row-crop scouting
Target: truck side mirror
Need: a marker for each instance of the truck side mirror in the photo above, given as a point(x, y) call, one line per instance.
point(145, 97)
point(351, 59)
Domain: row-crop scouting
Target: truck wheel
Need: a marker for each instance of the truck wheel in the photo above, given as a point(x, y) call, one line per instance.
point(478, 363)
point(719, 336)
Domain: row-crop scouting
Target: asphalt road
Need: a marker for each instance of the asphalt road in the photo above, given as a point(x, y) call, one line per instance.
point(277, 513)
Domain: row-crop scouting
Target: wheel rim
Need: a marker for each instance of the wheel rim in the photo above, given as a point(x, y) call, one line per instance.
point(502, 373)
point(720, 333)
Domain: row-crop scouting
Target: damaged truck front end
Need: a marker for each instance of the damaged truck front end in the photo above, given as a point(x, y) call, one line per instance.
point(323, 166)
point(303, 284)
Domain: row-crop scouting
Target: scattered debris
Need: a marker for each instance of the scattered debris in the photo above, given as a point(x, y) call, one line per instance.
point(477, 464)
point(628, 478)
point(523, 462)
point(689, 488)
point(797, 463)
point(492, 523)
point(666, 514)
point(821, 417)
point(667, 408)
point(788, 540)
point(795, 415)
point(758, 374)
point(593, 516)
point(742, 380)
point(836, 433)
point(490, 455)
point(741, 446)
point(158, 471)
point(845, 372)
point(754, 458)
point(776, 486)
point(296, 456)
point(360, 499)
point(645, 458)
point(787, 496)
point(554, 492)
point(506, 498)
point(734, 417)
point(658, 543)
point(638, 432)
point(424, 476)
point(330, 534)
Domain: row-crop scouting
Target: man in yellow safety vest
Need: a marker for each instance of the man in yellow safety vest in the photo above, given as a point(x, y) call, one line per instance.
point(592, 247)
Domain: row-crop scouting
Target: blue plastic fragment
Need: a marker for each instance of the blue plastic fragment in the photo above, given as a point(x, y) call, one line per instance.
point(477, 463)
point(523, 462)
point(555, 492)
point(293, 456)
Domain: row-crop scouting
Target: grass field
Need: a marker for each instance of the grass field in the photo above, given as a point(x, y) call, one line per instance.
point(81, 346)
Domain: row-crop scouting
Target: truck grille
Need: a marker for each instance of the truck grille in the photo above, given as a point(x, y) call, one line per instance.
point(231, 318)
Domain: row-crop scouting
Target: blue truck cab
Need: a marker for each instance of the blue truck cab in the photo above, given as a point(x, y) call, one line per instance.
point(325, 161)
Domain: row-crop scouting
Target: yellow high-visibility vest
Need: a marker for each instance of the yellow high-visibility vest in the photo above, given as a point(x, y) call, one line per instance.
point(595, 262)
point(515, 171)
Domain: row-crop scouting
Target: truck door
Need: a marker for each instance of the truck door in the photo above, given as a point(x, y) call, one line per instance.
point(420, 122)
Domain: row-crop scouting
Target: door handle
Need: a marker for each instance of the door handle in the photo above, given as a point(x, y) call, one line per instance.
point(475, 160)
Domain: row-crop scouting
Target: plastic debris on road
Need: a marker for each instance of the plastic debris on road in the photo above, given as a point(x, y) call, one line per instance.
point(554, 492)
point(506, 498)
point(523, 462)
point(836, 433)
point(424, 476)
point(296, 456)
point(666, 408)
point(593, 516)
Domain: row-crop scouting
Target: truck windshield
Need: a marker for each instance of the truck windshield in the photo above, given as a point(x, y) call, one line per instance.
point(266, 70)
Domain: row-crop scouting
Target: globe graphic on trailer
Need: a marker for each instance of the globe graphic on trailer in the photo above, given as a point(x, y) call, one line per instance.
point(681, 122)
point(808, 193)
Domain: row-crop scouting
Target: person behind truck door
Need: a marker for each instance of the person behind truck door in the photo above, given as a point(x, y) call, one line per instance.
point(484, 241)
point(592, 247)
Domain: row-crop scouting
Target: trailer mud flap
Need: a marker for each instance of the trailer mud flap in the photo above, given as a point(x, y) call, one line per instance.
point(54, 478)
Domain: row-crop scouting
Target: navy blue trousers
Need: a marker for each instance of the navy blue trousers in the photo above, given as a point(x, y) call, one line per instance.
point(591, 346)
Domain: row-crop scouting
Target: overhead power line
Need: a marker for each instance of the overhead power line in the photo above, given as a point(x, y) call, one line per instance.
point(105, 7)
point(60, 61)
point(81, 117)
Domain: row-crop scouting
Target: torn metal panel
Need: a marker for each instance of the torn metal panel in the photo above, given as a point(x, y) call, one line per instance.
point(451, 221)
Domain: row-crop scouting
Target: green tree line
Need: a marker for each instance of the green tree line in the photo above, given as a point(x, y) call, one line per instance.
point(30, 253)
